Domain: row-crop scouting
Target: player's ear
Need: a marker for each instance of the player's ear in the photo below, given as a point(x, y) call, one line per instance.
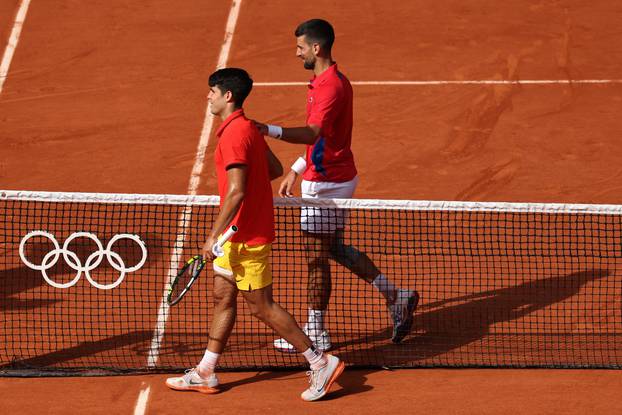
point(229, 96)
point(316, 48)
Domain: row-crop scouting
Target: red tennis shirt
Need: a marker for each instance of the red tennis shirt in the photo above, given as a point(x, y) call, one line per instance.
point(241, 143)
point(329, 106)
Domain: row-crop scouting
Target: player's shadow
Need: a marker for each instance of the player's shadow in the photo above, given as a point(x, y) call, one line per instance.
point(190, 347)
point(57, 360)
point(259, 377)
point(449, 327)
point(445, 327)
point(352, 381)
point(16, 280)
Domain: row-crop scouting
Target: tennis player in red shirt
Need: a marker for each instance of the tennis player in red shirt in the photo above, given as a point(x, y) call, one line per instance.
point(328, 171)
point(245, 165)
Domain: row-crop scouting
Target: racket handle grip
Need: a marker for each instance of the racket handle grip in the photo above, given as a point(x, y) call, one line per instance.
point(217, 248)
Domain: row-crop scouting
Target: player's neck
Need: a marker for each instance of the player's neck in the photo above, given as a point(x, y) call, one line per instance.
point(227, 111)
point(321, 65)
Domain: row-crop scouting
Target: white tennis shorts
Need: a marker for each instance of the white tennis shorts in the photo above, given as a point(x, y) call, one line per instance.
point(325, 220)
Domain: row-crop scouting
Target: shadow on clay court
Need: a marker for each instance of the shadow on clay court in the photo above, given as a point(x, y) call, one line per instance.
point(352, 381)
point(21, 279)
point(446, 328)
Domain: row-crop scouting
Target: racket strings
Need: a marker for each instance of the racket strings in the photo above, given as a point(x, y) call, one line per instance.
point(185, 278)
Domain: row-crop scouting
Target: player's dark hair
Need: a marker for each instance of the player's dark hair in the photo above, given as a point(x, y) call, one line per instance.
point(317, 31)
point(235, 80)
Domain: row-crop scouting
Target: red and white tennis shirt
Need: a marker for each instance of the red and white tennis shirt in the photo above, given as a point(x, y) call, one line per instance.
point(329, 106)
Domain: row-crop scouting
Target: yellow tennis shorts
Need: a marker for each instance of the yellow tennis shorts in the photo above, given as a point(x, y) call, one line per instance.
point(250, 265)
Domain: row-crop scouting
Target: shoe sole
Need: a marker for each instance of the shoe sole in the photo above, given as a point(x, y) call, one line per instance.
point(338, 371)
point(408, 323)
point(201, 389)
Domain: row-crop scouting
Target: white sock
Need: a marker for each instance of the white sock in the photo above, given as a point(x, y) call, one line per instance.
point(315, 358)
point(315, 322)
point(209, 362)
point(386, 288)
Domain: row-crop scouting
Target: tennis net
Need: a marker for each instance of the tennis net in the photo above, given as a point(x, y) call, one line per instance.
point(83, 279)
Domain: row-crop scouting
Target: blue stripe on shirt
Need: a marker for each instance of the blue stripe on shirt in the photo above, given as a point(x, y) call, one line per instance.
point(317, 156)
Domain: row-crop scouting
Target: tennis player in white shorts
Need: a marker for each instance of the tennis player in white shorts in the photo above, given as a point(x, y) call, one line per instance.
point(328, 171)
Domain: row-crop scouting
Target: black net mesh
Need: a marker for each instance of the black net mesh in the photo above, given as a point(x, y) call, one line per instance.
point(499, 288)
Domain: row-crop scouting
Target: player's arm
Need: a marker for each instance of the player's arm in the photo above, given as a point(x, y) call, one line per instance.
point(275, 168)
point(236, 191)
point(323, 113)
point(295, 135)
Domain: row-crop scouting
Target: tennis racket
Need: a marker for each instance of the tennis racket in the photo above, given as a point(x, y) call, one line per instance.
point(191, 270)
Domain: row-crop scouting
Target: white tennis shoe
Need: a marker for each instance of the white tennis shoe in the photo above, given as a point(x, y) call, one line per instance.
point(320, 339)
point(322, 379)
point(192, 381)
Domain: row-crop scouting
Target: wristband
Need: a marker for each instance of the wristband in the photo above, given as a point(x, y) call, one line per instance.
point(275, 131)
point(300, 165)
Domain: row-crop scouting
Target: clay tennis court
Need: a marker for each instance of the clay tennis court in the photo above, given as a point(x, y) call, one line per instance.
point(111, 97)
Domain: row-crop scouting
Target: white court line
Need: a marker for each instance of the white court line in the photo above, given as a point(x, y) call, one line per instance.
point(184, 219)
point(207, 126)
point(463, 82)
point(143, 397)
point(13, 40)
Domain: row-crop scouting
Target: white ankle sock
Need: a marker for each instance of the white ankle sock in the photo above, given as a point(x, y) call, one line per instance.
point(209, 362)
point(386, 288)
point(315, 322)
point(315, 358)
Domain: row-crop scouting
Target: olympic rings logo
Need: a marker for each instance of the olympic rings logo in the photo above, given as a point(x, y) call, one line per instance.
point(115, 260)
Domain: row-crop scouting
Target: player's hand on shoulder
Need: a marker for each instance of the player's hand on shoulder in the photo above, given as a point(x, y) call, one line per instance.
point(263, 128)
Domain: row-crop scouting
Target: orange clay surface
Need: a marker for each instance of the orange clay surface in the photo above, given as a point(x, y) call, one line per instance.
point(437, 391)
point(111, 97)
point(7, 13)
